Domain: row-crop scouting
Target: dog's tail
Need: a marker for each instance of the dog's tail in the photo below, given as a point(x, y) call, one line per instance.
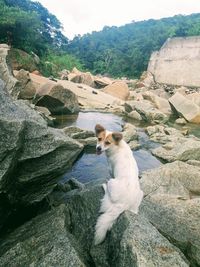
point(105, 222)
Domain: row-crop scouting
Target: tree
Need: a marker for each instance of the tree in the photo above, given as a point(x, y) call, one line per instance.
point(125, 50)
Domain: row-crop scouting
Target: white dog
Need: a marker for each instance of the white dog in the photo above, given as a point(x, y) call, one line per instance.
point(123, 191)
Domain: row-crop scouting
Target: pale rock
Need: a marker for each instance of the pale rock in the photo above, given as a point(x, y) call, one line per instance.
point(118, 89)
point(185, 107)
point(160, 103)
point(181, 121)
point(129, 132)
point(194, 97)
point(134, 115)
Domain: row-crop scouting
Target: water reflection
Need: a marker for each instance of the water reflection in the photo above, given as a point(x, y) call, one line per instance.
point(88, 120)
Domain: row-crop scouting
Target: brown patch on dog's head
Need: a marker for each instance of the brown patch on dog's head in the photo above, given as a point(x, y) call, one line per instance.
point(98, 129)
point(117, 137)
point(100, 132)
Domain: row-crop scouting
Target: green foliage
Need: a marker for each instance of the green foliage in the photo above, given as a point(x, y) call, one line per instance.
point(52, 64)
point(29, 26)
point(125, 51)
point(21, 60)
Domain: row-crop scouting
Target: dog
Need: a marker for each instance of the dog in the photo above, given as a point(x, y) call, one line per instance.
point(122, 192)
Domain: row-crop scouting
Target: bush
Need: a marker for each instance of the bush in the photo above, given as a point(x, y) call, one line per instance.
point(51, 64)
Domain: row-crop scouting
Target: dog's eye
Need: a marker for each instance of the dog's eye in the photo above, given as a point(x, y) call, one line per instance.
point(107, 143)
point(99, 139)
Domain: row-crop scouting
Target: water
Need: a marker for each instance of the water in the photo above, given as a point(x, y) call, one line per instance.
point(90, 166)
point(88, 120)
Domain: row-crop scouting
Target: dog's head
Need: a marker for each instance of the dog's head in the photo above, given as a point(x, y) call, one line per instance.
point(105, 139)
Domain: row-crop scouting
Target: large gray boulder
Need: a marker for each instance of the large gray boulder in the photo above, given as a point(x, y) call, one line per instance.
point(32, 155)
point(64, 236)
point(57, 99)
point(44, 241)
point(133, 241)
point(172, 205)
point(179, 149)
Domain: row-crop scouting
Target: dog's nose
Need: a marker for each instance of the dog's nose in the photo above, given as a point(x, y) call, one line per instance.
point(98, 148)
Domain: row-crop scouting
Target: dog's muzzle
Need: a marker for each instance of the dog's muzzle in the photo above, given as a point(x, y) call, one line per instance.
point(98, 150)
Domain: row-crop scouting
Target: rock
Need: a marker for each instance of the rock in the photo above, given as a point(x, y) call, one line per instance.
point(185, 149)
point(57, 99)
point(5, 71)
point(161, 92)
point(44, 241)
point(117, 89)
point(19, 59)
point(27, 89)
point(185, 108)
point(127, 242)
point(86, 99)
point(172, 193)
point(146, 80)
point(32, 155)
point(81, 214)
point(129, 132)
point(133, 241)
point(163, 134)
point(71, 184)
point(160, 103)
point(177, 179)
point(89, 142)
point(134, 145)
point(195, 98)
point(36, 72)
point(177, 62)
point(150, 114)
point(194, 162)
point(46, 114)
point(64, 74)
point(132, 83)
point(100, 83)
point(134, 115)
point(129, 106)
point(146, 110)
point(78, 133)
point(85, 78)
point(181, 121)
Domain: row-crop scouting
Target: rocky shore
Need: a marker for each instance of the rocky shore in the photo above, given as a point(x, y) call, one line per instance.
point(33, 156)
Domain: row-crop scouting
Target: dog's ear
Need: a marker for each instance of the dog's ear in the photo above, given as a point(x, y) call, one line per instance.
point(99, 128)
point(117, 136)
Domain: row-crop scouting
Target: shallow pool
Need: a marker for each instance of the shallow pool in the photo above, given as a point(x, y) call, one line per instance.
point(90, 166)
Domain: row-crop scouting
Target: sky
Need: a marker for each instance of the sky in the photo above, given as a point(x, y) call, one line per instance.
point(85, 16)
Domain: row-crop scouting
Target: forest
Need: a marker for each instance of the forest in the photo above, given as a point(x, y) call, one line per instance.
point(115, 51)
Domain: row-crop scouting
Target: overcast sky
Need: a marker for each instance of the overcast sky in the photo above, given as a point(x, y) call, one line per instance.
point(83, 16)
